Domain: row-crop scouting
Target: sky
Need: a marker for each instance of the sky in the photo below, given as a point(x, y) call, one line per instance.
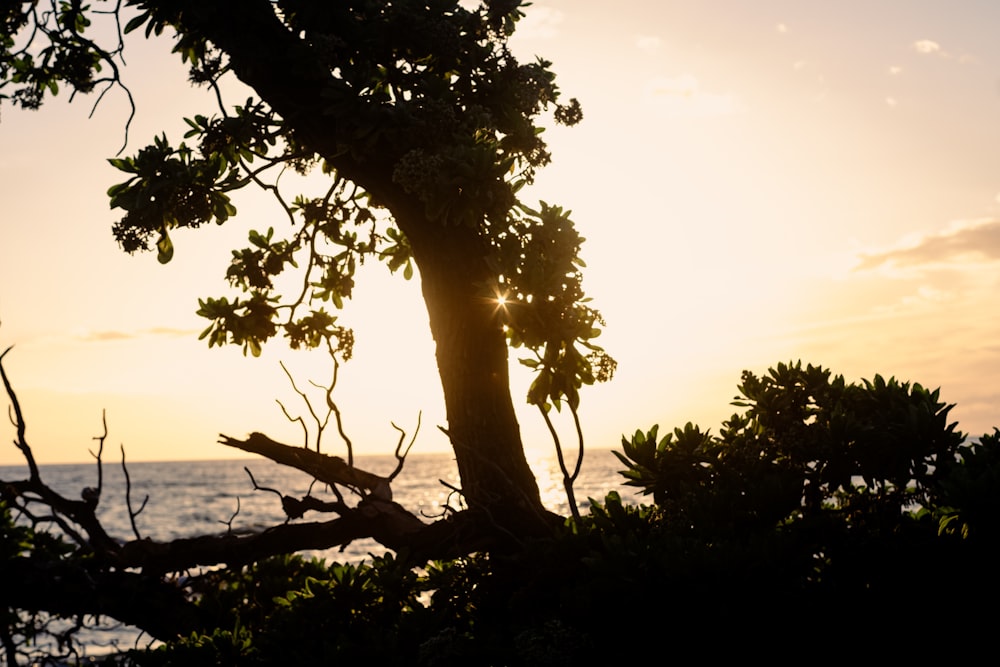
point(758, 182)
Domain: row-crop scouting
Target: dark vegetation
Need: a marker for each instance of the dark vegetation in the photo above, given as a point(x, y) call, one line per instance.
point(821, 508)
point(820, 496)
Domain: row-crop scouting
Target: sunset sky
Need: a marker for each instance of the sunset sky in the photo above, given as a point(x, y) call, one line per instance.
point(758, 182)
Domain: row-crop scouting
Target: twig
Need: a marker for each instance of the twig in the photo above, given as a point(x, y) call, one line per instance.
point(305, 399)
point(229, 524)
point(100, 452)
point(401, 458)
point(281, 497)
point(567, 478)
point(258, 487)
point(295, 508)
point(579, 439)
point(446, 508)
point(332, 406)
point(17, 419)
point(128, 498)
point(299, 419)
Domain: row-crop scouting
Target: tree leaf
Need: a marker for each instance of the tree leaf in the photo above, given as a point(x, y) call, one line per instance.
point(164, 249)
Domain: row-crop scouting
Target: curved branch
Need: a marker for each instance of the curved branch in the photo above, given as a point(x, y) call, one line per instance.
point(327, 469)
point(132, 514)
point(386, 522)
point(567, 478)
point(400, 452)
point(100, 453)
point(18, 420)
point(335, 409)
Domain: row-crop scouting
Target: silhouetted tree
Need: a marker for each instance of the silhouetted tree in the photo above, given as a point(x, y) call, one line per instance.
point(426, 126)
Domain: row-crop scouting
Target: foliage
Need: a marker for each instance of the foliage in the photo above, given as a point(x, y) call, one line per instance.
point(849, 487)
point(435, 84)
point(807, 444)
point(417, 127)
point(425, 128)
point(969, 503)
point(32, 636)
point(735, 529)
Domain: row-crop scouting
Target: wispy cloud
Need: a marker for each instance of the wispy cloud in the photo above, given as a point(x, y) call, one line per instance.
point(112, 335)
point(102, 336)
point(962, 242)
point(683, 96)
point(781, 28)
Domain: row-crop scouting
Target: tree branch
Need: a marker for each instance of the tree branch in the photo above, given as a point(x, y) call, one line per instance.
point(327, 469)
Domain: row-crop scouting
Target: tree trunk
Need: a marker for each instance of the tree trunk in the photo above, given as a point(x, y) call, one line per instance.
point(472, 361)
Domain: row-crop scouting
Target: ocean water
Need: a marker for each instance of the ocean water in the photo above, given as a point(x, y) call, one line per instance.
point(189, 498)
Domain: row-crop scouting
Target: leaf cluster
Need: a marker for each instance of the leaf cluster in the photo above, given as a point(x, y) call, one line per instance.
point(543, 307)
point(851, 487)
point(169, 188)
point(806, 444)
point(44, 45)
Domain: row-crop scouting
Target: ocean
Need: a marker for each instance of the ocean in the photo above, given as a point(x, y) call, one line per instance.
point(188, 498)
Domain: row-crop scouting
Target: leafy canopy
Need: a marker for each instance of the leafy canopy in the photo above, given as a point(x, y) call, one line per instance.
point(417, 102)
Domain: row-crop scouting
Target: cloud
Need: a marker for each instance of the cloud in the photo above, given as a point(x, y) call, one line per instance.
point(648, 43)
point(963, 242)
point(112, 335)
point(891, 102)
point(682, 96)
point(539, 22)
point(102, 336)
point(894, 70)
point(782, 28)
point(929, 47)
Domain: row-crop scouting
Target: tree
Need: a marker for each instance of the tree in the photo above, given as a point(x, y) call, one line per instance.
point(426, 126)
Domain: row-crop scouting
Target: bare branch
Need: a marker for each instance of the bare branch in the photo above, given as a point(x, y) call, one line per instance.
point(579, 439)
point(299, 419)
point(401, 457)
point(567, 478)
point(18, 421)
point(386, 522)
point(128, 498)
point(98, 456)
point(332, 406)
point(229, 524)
point(320, 424)
point(327, 469)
